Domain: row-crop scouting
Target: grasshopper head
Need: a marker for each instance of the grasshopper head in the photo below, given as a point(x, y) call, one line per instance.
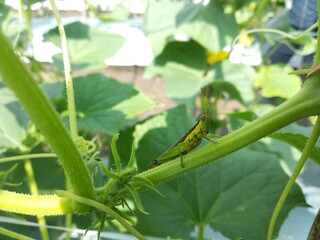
point(154, 163)
point(205, 122)
point(203, 117)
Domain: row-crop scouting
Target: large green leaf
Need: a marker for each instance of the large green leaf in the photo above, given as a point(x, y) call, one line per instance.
point(54, 91)
point(241, 76)
point(160, 22)
point(190, 54)
point(297, 136)
point(13, 121)
point(88, 46)
point(102, 103)
point(207, 24)
point(182, 81)
point(287, 142)
point(227, 89)
point(230, 196)
point(274, 79)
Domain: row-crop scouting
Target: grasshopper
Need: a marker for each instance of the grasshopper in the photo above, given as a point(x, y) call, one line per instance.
point(187, 142)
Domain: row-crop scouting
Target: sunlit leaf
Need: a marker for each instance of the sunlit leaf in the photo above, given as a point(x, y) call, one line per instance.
point(207, 24)
point(182, 81)
point(188, 53)
point(161, 22)
point(105, 105)
point(230, 196)
point(88, 46)
point(239, 75)
point(272, 80)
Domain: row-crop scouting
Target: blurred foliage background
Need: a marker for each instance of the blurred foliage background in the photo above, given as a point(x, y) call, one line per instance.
point(138, 68)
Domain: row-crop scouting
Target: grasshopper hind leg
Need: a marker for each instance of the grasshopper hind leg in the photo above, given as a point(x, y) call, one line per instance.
point(181, 161)
point(181, 158)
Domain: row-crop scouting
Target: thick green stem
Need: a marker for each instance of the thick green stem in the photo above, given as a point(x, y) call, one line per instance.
point(44, 205)
point(201, 227)
point(46, 119)
point(305, 103)
point(68, 224)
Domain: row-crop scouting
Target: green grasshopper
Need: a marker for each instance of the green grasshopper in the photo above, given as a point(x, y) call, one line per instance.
point(187, 142)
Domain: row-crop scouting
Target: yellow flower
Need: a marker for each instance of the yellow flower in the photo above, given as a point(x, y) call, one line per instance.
point(213, 57)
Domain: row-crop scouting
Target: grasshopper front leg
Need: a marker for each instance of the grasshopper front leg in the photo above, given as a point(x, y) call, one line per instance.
point(210, 137)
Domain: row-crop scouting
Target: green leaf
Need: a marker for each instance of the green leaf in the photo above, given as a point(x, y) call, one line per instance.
point(88, 46)
point(54, 91)
point(160, 24)
point(208, 24)
point(224, 87)
point(241, 76)
point(48, 174)
point(238, 119)
point(274, 79)
point(182, 81)
point(190, 54)
point(104, 105)
point(13, 121)
point(230, 196)
point(297, 137)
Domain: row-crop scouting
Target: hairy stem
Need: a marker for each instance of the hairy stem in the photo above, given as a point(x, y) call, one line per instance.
point(67, 73)
point(305, 103)
point(46, 119)
point(102, 208)
point(27, 156)
point(45, 205)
